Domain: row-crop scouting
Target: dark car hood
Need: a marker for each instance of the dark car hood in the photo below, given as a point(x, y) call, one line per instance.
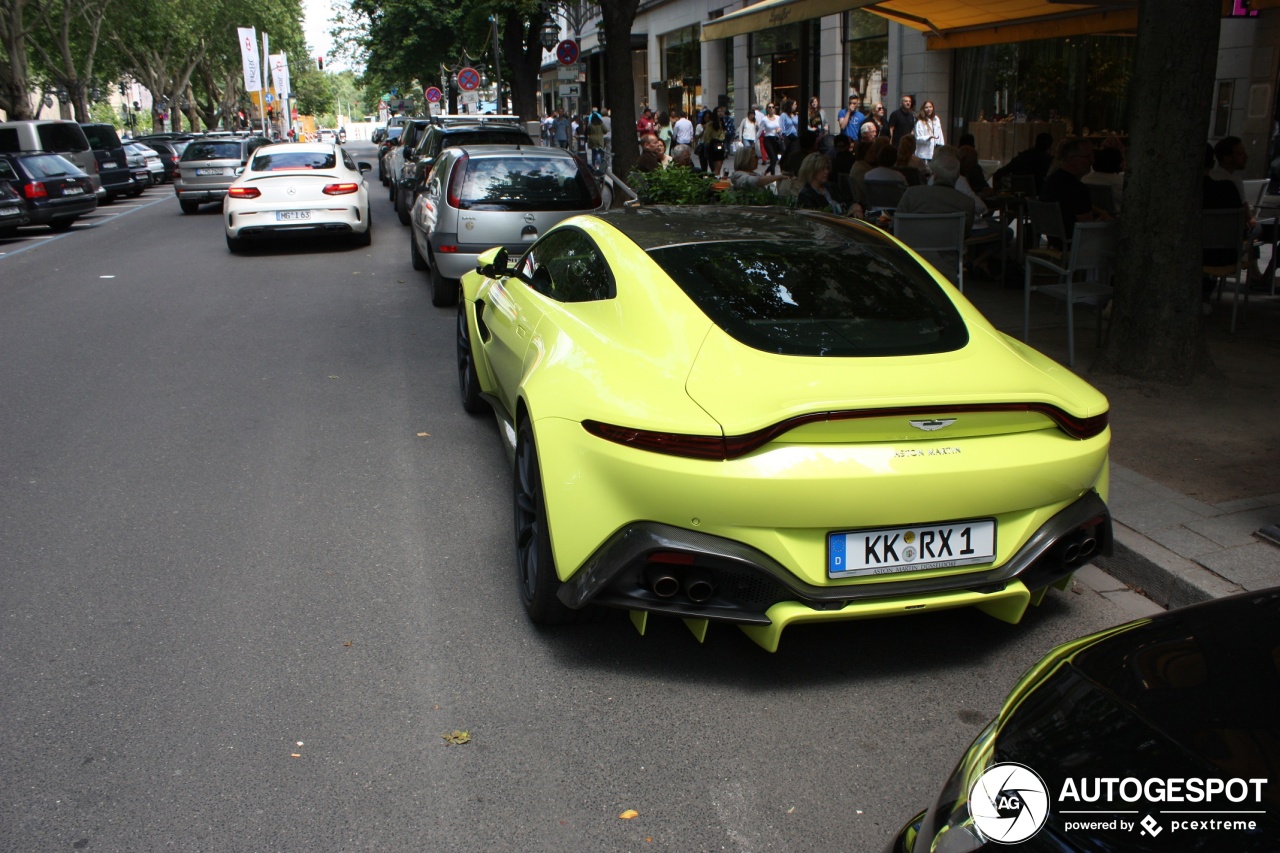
point(1193, 694)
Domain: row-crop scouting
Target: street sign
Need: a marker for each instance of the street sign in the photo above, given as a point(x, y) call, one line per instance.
point(568, 72)
point(468, 79)
point(567, 52)
point(569, 91)
point(270, 97)
point(434, 95)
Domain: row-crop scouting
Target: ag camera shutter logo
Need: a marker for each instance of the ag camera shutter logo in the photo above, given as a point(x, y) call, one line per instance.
point(1009, 803)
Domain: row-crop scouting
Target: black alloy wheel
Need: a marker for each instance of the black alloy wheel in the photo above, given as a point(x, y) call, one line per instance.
point(468, 379)
point(535, 565)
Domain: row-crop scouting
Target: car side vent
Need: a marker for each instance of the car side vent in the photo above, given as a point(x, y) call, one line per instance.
point(480, 326)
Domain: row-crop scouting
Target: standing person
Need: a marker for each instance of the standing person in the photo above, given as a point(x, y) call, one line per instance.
point(902, 121)
point(850, 118)
point(881, 122)
point(682, 130)
point(818, 126)
point(645, 123)
point(730, 129)
point(560, 129)
point(928, 133)
point(607, 118)
point(790, 127)
point(595, 141)
point(664, 131)
point(749, 133)
point(713, 143)
point(771, 128)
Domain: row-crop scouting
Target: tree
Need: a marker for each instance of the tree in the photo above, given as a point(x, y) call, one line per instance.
point(15, 82)
point(66, 39)
point(1156, 327)
point(618, 17)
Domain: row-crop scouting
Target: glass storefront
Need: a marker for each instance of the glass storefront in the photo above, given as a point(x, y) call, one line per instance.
point(866, 58)
point(682, 71)
point(1079, 83)
point(779, 67)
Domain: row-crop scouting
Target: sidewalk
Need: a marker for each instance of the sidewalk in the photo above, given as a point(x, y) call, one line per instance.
point(1195, 472)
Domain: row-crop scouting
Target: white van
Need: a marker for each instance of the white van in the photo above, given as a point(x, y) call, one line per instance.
point(55, 136)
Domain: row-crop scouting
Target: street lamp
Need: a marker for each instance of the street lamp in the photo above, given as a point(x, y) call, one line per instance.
point(550, 32)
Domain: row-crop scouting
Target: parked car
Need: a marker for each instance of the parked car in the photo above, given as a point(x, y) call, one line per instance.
point(55, 136)
point(209, 165)
point(326, 135)
point(398, 156)
point(483, 196)
point(1179, 712)
point(113, 163)
point(390, 139)
point(449, 132)
point(298, 188)
point(170, 148)
point(768, 416)
point(13, 210)
point(55, 190)
point(151, 160)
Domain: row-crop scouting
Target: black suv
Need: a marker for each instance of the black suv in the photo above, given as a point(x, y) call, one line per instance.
point(113, 163)
point(450, 132)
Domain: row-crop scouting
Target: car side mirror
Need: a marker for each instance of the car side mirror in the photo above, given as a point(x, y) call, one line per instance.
point(364, 167)
point(493, 263)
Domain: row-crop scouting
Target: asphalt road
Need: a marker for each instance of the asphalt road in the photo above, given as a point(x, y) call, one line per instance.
point(256, 562)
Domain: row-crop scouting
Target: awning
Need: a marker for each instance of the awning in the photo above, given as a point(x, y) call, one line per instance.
point(948, 23)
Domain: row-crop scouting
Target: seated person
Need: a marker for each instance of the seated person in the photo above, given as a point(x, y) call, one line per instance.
point(1034, 161)
point(884, 169)
point(941, 196)
point(681, 155)
point(1108, 171)
point(652, 155)
point(744, 177)
point(971, 169)
point(1063, 186)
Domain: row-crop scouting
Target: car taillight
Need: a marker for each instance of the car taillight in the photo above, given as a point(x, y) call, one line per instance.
point(454, 196)
point(341, 189)
point(35, 190)
point(243, 192)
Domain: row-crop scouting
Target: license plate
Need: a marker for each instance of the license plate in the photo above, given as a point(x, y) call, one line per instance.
point(72, 190)
point(292, 215)
point(8, 211)
point(107, 164)
point(916, 548)
point(208, 171)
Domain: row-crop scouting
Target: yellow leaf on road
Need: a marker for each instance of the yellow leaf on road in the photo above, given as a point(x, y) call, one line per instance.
point(457, 737)
point(629, 814)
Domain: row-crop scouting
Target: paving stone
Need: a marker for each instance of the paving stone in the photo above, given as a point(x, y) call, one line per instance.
point(1156, 514)
point(1184, 542)
point(1134, 605)
point(1252, 566)
point(1201, 508)
point(1239, 505)
point(1233, 530)
point(1098, 580)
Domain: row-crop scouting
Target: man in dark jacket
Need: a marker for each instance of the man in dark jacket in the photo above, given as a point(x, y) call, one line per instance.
point(1035, 161)
point(902, 121)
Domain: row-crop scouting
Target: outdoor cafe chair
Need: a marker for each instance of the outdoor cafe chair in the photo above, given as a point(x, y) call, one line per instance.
point(1085, 277)
point(1224, 230)
point(935, 235)
point(884, 195)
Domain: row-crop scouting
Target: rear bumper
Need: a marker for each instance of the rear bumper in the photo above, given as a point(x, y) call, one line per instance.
point(260, 231)
point(42, 214)
point(201, 194)
point(743, 585)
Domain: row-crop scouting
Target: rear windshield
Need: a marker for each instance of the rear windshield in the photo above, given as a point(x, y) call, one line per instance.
point(279, 161)
point(58, 136)
point(49, 166)
point(525, 183)
point(101, 136)
point(826, 297)
point(204, 150)
point(487, 137)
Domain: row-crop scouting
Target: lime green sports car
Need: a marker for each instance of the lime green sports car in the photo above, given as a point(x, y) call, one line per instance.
point(763, 416)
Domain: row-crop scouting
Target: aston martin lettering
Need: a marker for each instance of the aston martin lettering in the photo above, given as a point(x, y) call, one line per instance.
point(910, 549)
point(929, 451)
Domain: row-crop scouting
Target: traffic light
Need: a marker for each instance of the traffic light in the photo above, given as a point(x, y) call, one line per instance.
point(320, 62)
point(271, 113)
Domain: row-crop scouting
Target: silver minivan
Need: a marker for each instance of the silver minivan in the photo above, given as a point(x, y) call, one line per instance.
point(57, 137)
point(482, 196)
point(209, 165)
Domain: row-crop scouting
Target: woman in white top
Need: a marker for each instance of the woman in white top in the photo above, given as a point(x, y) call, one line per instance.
point(749, 131)
point(928, 133)
point(771, 129)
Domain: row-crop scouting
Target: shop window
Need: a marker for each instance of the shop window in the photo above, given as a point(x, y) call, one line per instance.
point(866, 57)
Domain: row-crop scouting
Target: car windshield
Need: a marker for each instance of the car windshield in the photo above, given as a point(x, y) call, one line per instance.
point(487, 137)
point(525, 183)
point(831, 296)
point(281, 161)
point(212, 150)
point(49, 166)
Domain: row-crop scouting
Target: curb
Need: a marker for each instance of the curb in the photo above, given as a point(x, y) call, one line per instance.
point(1166, 578)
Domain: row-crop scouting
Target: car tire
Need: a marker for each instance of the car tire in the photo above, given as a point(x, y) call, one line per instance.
point(468, 379)
point(535, 563)
point(444, 291)
point(365, 239)
point(61, 224)
point(402, 208)
point(415, 257)
point(235, 245)
point(188, 206)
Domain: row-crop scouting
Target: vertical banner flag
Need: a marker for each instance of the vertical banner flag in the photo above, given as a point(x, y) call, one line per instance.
point(249, 58)
point(280, 74)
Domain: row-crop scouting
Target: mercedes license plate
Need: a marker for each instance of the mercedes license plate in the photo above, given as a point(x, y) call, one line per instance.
point(889, 550)
point(292, 215)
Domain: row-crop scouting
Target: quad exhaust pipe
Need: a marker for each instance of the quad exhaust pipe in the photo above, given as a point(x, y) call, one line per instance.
point(1079, 548)
point(696, 586)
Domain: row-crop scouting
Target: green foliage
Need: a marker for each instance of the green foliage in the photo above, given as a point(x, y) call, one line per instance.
point(682, 185)
point(755, 198)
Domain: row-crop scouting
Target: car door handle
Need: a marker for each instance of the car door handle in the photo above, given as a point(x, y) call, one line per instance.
point(522, 330)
